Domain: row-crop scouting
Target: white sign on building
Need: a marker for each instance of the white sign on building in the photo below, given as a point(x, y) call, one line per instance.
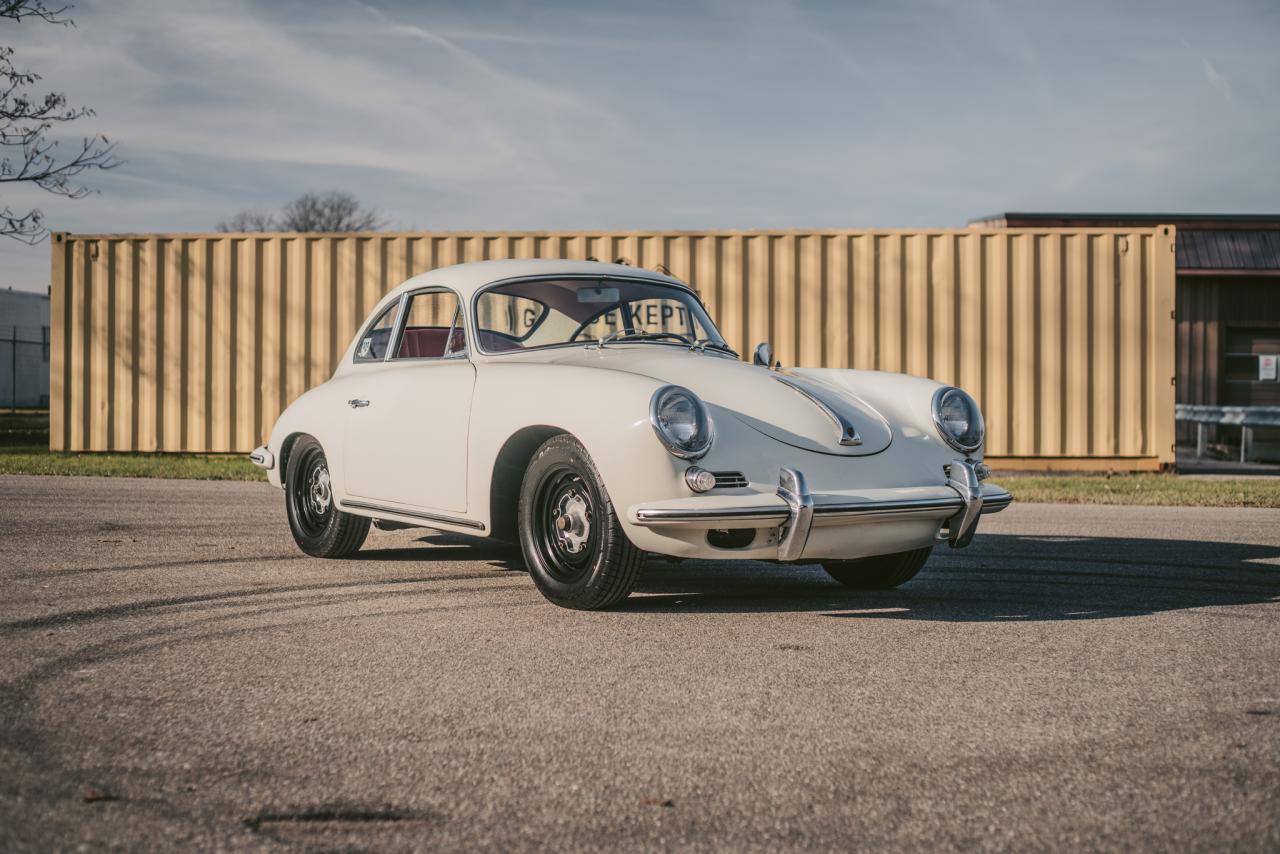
point(1267, 367)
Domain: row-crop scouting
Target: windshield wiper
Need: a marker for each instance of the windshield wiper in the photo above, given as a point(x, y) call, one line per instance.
point(623, 335)
point(707, 343)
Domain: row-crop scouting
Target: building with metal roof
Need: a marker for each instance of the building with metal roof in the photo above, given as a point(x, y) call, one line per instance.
point(1208, 244)
point(24, 349)
point(1228, 302)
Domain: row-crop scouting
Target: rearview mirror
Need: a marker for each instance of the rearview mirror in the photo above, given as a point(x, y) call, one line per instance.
point(598, 294)
point(763, 355)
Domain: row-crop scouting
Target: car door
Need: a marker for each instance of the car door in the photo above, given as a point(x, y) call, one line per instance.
point(407, 420)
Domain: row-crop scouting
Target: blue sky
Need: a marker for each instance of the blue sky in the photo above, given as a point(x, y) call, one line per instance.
point(555, 115)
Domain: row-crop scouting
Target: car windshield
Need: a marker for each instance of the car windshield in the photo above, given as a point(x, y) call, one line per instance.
point(553, 312)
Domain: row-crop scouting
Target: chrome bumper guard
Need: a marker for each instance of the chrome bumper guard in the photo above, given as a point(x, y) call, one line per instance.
point(793, 490)
point(801, 513)
point(963, 478)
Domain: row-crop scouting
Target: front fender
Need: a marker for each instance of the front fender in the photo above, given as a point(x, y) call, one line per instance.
point(607, 412)
point(319, 412)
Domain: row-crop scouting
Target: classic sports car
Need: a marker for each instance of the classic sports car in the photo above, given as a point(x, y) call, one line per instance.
point(593, 413)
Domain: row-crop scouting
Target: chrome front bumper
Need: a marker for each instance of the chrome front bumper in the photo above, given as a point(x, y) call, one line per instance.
point(959, 510)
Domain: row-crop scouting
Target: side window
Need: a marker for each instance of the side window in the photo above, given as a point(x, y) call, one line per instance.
point(372, 346)
point(433, 327)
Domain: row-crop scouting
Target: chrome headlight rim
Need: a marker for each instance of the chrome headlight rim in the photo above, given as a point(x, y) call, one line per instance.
point(949, 437)
point(703, 417)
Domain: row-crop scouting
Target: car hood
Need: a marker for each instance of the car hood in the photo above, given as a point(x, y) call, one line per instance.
point(788, 406)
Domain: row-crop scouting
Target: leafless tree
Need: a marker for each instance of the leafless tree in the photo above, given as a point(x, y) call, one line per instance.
point(332, 211)
point(250, 221)
point(28, 153)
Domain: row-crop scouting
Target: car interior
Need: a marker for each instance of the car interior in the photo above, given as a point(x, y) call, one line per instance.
point(525, 314)
point(428, 342)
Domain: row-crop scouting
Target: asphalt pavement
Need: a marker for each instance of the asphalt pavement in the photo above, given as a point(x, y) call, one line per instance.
point(175, 674)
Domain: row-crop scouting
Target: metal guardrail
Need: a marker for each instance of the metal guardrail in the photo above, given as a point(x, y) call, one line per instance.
point(1247, 418)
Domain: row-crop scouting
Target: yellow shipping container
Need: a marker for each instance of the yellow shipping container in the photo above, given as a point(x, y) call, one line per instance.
point(196, 342)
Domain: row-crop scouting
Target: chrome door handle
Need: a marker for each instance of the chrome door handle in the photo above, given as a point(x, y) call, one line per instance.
point(355, 403)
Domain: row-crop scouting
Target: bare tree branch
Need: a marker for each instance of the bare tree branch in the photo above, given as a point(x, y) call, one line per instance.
point(28, 227)
point(18, 9)
point(28, 152)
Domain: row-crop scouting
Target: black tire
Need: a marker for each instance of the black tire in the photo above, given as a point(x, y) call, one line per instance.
point(587, 562)
point(880, 572)
point(319, 527)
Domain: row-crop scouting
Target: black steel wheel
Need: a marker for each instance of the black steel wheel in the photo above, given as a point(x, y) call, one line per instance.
point(319, 527)
point(575, 548)
point(880, 572)
point(566, 523)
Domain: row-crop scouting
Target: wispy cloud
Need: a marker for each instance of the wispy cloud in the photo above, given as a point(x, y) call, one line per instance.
point(1212, 75)
point(707, 114)
point(539, 40)
point(1216, 80)
point(516, 84)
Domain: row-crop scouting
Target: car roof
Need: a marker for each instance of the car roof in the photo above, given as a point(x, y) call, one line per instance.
point(468, 278)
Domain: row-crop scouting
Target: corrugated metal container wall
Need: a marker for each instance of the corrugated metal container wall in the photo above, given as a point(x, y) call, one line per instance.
point(1065, 336)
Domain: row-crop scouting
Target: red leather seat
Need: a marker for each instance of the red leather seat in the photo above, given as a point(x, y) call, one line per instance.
point(427, 342)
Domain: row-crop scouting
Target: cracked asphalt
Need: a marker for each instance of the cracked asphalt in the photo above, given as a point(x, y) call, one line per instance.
point(177, 675)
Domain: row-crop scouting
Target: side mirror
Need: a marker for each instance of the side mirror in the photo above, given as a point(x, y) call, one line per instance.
point(763, 355)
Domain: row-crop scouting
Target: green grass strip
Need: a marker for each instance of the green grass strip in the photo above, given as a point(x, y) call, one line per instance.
point(33, 459)
point(1145, 489)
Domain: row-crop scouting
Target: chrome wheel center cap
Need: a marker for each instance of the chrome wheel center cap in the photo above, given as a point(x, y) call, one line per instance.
point(572, 525)
point(320, 491)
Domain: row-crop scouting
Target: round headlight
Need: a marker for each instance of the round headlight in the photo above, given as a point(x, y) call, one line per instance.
point(681, 421)
point(958, 419)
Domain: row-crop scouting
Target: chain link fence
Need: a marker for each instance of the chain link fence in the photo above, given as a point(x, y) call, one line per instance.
point(24, 367)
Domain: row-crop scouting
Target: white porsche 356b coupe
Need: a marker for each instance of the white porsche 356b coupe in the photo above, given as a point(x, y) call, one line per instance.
point(593, 413)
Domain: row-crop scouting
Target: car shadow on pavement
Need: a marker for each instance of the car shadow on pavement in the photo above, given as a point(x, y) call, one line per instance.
point(999, 578)
point(445, 546)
